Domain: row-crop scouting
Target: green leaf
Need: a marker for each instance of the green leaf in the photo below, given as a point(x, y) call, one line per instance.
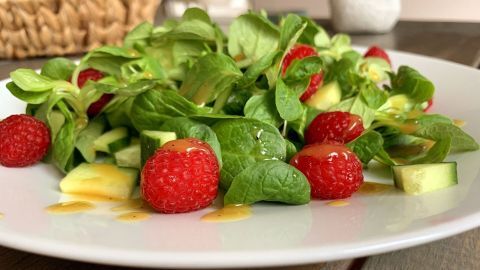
point(64, 144)
point(29, 97)
point(437, 153)
point(237, 101)
point(428, 119)
point(357, 106)
point(28, 80)
point(410, 82)
point(118, 111)
point(262, 107)
point(304, 68)
point(130, 90)
point(269, 180)
point(193, 29)
point(114, 51)
point(373, 96)
point(365, 104)
point(152, 108)
point(138, 36)
point(367, 146)
point(383, 157)
point(87, 136)
point(300, 124)
point(210, 119)
point(196, 14)
point(288, 105)
point(314, 34)
point(245, 142)
point(461, 141)
point(251, 37)
point(144, 68)
point(258, 68)
point(344, 73)
point(291, 150)
point(58, 68)
point(291, 30)
point(209, 77)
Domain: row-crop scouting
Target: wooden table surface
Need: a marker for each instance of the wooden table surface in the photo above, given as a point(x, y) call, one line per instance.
point(458, 42)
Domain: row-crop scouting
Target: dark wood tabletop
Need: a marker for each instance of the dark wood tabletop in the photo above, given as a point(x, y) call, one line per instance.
point(457, 42)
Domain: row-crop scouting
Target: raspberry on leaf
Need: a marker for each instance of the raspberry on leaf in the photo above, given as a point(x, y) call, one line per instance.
point(181, 176)
point(93, 75)
point(298, 52)
point(341, 127)
point(333, 171)
point(375, 51)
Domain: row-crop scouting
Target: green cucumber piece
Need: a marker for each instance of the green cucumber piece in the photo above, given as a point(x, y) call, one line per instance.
point(151, 140)
point(325, 97)
point(129, 157)
point(113, 140)
point(421, 178)
point(104, 180)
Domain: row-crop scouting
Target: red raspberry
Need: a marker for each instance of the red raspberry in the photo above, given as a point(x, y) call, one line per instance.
point(301, 51)
point(181, 176)
point(375, 51)
point(88, 74)
point(24, 140)
point(341, 127)
point(429, 106)
point(333, 171)
point(93, 75)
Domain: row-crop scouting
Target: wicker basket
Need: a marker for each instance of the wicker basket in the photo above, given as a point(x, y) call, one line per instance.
point(58, 27)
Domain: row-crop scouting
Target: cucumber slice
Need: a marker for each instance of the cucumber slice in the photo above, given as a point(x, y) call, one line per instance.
point(104, 180)
point(113, 140)
point(325, 97)
point(129, 157)
point(422, 178)
point(151, 140)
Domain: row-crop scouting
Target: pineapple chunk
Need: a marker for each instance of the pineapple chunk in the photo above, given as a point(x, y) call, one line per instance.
point(104, 180)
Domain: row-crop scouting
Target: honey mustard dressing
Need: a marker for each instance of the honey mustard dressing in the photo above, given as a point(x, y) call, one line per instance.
point(130, 205)
point(338, 203)
point(373, 188)
point(229, 213)
point(135, 216)
point(70, 207)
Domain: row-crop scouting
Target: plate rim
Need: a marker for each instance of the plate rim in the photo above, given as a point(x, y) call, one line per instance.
point(256, 258)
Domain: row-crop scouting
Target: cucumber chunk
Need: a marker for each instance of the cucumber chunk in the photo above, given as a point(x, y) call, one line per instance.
point(129, 157)
point(325, 97)
point(151, 140)
point(104, 180)
point(113, 140)
point(422, 178)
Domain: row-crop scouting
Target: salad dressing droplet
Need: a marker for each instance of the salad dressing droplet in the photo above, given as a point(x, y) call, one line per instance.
point(373, 188)
point(133, 204)
point(459, 123)
point(339, 203)
point(91, 198)
point(70, 207)
point(133, 216)
point(409, 127)
point(229, 213)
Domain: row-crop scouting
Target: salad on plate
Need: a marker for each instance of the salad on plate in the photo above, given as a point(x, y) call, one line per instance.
point(272, 112)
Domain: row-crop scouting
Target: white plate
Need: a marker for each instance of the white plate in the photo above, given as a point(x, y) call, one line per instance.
point(275, 234)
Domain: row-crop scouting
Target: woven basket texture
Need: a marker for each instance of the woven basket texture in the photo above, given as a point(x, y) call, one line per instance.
point(30, 28)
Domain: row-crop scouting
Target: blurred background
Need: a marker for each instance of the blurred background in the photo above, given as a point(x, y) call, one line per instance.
point(32, 28)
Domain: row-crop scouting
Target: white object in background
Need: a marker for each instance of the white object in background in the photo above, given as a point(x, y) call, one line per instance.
point(366, 16)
